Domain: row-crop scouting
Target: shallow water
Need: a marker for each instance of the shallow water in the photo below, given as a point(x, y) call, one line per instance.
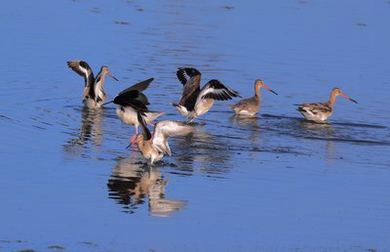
point(272, 183)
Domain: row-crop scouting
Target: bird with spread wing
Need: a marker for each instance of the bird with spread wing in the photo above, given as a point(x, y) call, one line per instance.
point(93, 94)
point(130, 101)
point(154, 146)
point(196, 101)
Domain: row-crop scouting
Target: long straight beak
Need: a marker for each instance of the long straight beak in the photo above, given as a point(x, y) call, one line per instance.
point(348, 98)
point(267, 87)
point(104, 104)
point(112, 76)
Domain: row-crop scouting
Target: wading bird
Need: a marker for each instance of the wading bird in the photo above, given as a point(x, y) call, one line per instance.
point(250, 106)
point(320, 111)
point(154, 146)
point(195, 101)
point(93, 95)
point(130, 101)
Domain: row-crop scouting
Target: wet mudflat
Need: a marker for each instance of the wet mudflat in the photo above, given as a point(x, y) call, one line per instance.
point(271, 183)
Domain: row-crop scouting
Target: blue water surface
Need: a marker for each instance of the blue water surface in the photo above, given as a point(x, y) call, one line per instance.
point(272, 183)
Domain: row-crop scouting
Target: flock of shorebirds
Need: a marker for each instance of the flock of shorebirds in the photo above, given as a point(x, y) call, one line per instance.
point(195, 101)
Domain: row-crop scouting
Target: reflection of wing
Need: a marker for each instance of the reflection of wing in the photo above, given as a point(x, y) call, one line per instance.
point(141, 86)
point(165, 129)
point(83, 69)
point(214, 89)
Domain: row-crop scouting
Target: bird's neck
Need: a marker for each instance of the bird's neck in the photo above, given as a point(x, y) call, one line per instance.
point(332, 99)
point(102, 79)
point(140, 142)
point(257, 93)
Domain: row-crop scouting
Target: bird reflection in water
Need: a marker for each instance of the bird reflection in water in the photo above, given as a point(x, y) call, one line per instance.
point(90, 130)
point(132, 183)
point(249, 124)
point(210, 152)
point(321, 131)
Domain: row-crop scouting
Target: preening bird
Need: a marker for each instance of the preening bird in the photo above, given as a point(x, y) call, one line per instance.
point(93, 94)
point(320, 111)
point(250, 106)
point(154, 146)
point(195, 101)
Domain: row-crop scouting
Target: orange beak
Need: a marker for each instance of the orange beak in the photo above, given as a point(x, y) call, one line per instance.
point(112, 76)
point(348, 98)
point(267, 87)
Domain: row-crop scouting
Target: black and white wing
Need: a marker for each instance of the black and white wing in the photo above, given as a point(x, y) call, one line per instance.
point(168, 128)
point(133, 97)
point(83, 69)
point(186, 73)
point(214, 89)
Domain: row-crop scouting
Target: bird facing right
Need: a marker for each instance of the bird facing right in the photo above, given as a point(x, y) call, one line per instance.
point(250, 106)
point(93, 94)
point(319, 112)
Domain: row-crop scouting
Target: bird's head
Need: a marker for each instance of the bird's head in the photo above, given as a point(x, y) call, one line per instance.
point(260, 84)
point(337, 92)
point(105, 71)
point(190, 71)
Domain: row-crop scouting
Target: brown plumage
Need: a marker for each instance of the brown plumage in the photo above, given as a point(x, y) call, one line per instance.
point(320, 111)
point(250, 106)
point(154, 146)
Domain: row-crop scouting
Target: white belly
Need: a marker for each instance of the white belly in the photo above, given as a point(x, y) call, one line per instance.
point(90, 103)
point(246, 113)
point(127, 115)
point(315, 117)
point(153, 156)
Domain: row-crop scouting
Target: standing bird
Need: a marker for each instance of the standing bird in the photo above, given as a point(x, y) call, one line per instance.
point(93, 95)
point(250, 106)
point(132, 100)
point(195, 101)
point(320, 111)
point(154, 146)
